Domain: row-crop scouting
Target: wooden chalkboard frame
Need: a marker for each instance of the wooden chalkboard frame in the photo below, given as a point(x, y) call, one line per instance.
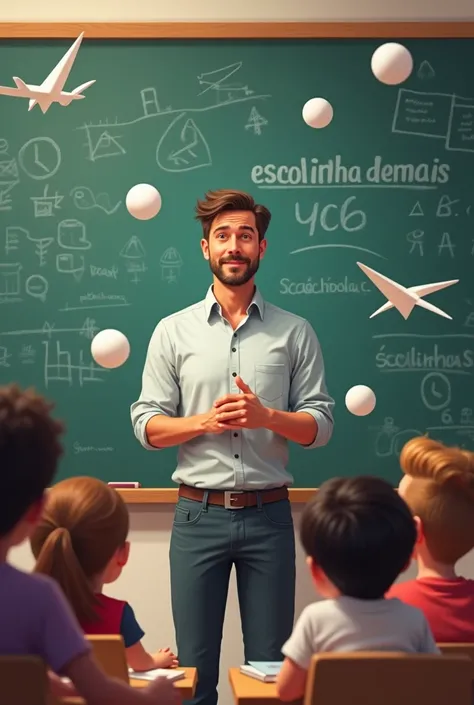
point(237, 30)
point(232, 30)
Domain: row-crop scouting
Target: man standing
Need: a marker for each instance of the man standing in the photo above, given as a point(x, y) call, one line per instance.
point(230, 380)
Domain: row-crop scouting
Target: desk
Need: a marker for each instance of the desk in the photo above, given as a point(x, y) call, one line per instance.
point(186, 687)
point(250, 691)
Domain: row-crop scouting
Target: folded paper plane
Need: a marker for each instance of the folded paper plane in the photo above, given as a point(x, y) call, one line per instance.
point(51, 90)
point(405, 299)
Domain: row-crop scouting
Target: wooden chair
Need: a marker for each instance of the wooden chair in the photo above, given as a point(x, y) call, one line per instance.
point(23, 681)
point(109, 651)
point(461, 648)
point(386, 678)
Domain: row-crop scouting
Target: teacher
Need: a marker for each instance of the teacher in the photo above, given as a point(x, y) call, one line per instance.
point(230, 380)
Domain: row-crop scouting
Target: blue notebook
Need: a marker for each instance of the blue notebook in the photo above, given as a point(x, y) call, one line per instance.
point(267, 668)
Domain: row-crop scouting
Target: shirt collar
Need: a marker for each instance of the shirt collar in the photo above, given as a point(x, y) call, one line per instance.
point(211, 304)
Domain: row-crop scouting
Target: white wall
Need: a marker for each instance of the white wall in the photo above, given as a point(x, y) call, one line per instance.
point(145, 582)
point(215, 10)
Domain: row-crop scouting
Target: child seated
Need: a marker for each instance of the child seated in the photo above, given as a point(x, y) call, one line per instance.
point(35, 618)
point(438, 486)
point(358, 535)
point(81, 542)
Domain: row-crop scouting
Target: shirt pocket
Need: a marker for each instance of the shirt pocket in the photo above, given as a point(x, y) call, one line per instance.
point(269, 381)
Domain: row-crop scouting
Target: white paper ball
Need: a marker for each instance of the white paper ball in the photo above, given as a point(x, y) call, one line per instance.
point(110, 348)
point(392, 63)
point(317, 112)
point(143, 201)
point(360, 400)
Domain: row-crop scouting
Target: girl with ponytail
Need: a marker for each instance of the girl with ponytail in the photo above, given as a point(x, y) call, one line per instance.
point(81, 542)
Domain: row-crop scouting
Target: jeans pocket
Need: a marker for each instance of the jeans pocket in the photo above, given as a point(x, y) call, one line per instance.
point(187, 513)
point(278, 513)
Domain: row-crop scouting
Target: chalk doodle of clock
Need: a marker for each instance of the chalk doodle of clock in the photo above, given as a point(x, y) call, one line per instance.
point(40, 158)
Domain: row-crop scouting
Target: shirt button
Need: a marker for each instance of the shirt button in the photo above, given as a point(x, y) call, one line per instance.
point(234, 349)
point(234, 374)
point(236, 435)
point(236, 455)
point(235, 335)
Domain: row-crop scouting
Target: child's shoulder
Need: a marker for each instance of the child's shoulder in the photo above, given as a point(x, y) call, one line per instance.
point(107, 600)
point(22, 590)
point(402, 589)
point(19, 581)
point(404, 611)
point(317, 611)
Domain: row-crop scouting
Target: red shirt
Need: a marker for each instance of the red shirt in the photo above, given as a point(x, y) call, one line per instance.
point(448, 605)
point(109, 617)
point(115, 617)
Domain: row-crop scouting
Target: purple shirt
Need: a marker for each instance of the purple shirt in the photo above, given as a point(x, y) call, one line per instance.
point(36, 619)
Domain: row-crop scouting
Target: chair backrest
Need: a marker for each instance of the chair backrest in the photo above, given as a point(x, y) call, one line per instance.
point(387, 678)
point(461, 648)
point(23, 681)
point(109, 651)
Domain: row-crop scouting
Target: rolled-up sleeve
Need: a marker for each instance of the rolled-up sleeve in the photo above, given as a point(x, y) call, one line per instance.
point(308, 385)
point(160, 388)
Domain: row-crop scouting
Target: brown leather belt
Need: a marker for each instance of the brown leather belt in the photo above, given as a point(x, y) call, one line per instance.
point(233, 499)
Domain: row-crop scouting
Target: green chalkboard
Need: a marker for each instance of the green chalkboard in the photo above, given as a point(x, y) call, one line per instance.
point(389, 183)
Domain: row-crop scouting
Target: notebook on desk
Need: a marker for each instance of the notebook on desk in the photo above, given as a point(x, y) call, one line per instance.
point(266, 671)
point(171, 673)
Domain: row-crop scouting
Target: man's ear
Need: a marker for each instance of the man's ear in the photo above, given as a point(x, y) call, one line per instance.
point(205, 248)
point(262, 247)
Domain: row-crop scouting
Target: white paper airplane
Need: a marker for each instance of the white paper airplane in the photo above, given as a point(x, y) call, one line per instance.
point(405, 299)
point(51, 90)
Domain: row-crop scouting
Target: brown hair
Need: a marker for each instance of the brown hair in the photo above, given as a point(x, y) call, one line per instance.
point(217, 202)
point(30, 449)
point(83, 524)
point(442, 495)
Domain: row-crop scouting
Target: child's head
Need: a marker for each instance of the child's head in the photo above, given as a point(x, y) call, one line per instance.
point(81, 540)
point(30, 448)
point(358, 535)
point(438, 486)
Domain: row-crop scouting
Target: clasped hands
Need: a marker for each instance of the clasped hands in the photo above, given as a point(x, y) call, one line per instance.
point(234, 411)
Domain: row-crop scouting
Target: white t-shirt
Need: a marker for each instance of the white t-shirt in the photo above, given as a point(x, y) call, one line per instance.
point(349, 624)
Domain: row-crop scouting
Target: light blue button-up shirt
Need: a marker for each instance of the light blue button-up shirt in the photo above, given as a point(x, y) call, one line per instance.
point(193, 358)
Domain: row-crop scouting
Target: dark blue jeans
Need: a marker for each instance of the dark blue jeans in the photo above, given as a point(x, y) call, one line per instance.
point(205, 542)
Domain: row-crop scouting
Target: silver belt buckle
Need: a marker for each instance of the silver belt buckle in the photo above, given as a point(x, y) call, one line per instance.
point(228, 499)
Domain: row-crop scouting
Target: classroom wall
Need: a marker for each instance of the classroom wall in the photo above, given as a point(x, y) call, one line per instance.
point(145, 582)
point(215, 10)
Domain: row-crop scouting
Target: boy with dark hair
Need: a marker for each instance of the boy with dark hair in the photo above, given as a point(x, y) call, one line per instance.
point(358, 535)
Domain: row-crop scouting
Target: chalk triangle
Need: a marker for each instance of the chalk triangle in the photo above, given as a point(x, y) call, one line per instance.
point(106, 146)
point(417, 209)
point(426, 70)
point(133, 249)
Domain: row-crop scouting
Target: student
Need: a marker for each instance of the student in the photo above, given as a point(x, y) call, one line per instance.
point(35, 618)
point(358, 535)
point(438, 486)
point(81, 542)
